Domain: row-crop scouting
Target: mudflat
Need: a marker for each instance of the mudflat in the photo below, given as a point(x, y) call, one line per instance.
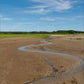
point(19, 67)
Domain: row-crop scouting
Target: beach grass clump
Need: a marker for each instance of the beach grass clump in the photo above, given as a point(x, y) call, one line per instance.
point(79, 38)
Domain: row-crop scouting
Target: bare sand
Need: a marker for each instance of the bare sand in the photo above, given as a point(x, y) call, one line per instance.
point(19, 67)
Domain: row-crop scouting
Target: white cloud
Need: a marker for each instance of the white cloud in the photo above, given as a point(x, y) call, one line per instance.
point(21, 23)
point(1, 16)
point(65, 18)
point(80, 16)
point(48, 19)
point(51, 5)
point(37, 11)
point(61, 18)
point(38, 6)
point(6, 18)
point(58, 18)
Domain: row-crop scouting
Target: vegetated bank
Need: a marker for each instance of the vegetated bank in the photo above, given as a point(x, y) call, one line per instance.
point(39, 34)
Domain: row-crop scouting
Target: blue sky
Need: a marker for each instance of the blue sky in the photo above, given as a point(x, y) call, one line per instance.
point(41, 15)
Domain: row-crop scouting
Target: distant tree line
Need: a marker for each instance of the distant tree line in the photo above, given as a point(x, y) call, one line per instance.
point(45, 32)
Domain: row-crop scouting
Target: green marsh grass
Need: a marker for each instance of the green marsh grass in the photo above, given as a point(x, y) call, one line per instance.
point(31, 35)
point(24, 35)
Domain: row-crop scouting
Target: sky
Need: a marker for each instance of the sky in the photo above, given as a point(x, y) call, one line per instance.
point(41, 15)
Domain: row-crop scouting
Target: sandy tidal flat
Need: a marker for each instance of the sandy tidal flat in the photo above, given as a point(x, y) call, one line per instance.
point(19, 67)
